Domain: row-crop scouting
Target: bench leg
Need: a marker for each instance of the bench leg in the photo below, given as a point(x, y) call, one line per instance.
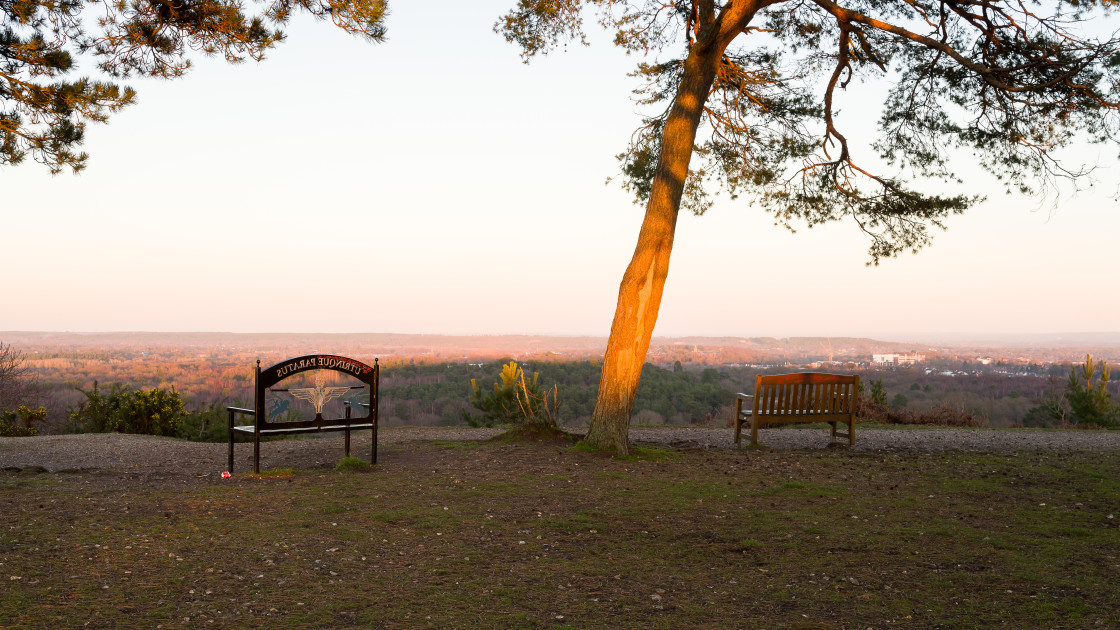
point(832, 432)
point(256, 453)
point(754, 431)
point(347, 454)
point(230, 435)
point(738, 421)
point(373, 447)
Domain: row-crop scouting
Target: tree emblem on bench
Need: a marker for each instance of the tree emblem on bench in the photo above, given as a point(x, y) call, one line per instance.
point(320, 394)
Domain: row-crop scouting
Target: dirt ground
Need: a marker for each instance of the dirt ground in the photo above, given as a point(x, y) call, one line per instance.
point(470, 533)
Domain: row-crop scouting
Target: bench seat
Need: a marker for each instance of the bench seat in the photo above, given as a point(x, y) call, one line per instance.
point(250, 429)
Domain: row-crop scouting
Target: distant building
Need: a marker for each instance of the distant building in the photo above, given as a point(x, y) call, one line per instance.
point(895, 358)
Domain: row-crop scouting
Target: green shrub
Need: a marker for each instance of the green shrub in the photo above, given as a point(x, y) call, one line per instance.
point(152, 412)
point(206, 424)
point(878, 392)
point(1086, 401)
point(1090, 402)
point(513, 401)
point(20, 423)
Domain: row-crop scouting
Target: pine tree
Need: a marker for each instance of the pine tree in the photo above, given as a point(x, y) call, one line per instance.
point(44, 110)
point(1090, 402)
point(752, 88)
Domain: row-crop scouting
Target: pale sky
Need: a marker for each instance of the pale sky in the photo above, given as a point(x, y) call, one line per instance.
point(435, 184)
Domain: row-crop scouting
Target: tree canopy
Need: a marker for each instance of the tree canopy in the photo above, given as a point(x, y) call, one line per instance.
point(1011, 81)
point(44, 111)
point(753, 87)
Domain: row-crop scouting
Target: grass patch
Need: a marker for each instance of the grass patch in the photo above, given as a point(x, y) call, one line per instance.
point(353, 464)
point(276, 472)
point(532, 536)
point(637, 453)
point(650, 454)
point(458, 444)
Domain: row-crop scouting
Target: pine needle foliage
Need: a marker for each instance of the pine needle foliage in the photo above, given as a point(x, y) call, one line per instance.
point(1010, 82)
point(1090, 402)
point(44, 111)
point(514, 400)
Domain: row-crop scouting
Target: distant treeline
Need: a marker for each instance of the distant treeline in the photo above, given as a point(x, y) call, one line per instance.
point(417, 393)
point(434, 394)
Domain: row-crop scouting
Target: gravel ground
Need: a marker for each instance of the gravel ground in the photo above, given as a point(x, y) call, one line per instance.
point(147, 455)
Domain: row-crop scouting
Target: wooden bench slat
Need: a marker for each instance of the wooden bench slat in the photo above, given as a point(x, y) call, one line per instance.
point(801, 397)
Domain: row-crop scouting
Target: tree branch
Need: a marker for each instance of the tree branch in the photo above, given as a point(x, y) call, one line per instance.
point(990, 74)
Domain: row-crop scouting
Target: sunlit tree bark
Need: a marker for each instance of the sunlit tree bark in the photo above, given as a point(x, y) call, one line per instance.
point(639, 295)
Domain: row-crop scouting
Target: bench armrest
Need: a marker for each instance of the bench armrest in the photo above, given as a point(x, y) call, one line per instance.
point(743, 405)
point(233, 411)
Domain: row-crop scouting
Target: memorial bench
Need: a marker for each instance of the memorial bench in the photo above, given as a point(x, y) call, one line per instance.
point(318, 396)
point(803, 397)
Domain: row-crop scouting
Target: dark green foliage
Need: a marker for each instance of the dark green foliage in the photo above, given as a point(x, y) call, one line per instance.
point(682, 395)
point(149, 412)
point(500, 405)
point(878, 393)
point(514, 400)
point(1085, 401)
point(1089, 399)
point(207, 424)
point(1040, 417)
point(42, 114)
point(21, 422)
point(433, 394)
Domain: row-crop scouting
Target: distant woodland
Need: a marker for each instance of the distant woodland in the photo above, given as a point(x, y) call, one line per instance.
point(692, 383)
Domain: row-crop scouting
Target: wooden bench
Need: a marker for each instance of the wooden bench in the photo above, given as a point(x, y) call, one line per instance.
point(804, 397)
point(317, 396)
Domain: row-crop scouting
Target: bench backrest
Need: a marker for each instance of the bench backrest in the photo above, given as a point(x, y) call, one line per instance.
point(267, 378)
point(806, 393)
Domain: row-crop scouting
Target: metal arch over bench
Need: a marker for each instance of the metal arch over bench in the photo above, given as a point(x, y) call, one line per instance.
point(266, 379)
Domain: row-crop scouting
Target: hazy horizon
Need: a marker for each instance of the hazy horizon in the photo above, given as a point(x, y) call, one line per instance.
point(1101, 338)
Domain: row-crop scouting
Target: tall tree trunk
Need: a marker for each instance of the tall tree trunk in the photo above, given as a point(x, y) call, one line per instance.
point(639, 295)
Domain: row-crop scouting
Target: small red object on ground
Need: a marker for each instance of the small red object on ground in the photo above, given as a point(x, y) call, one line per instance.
point(225, 474)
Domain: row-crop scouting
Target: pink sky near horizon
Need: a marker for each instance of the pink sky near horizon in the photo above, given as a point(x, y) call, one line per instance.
point(453, 190)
